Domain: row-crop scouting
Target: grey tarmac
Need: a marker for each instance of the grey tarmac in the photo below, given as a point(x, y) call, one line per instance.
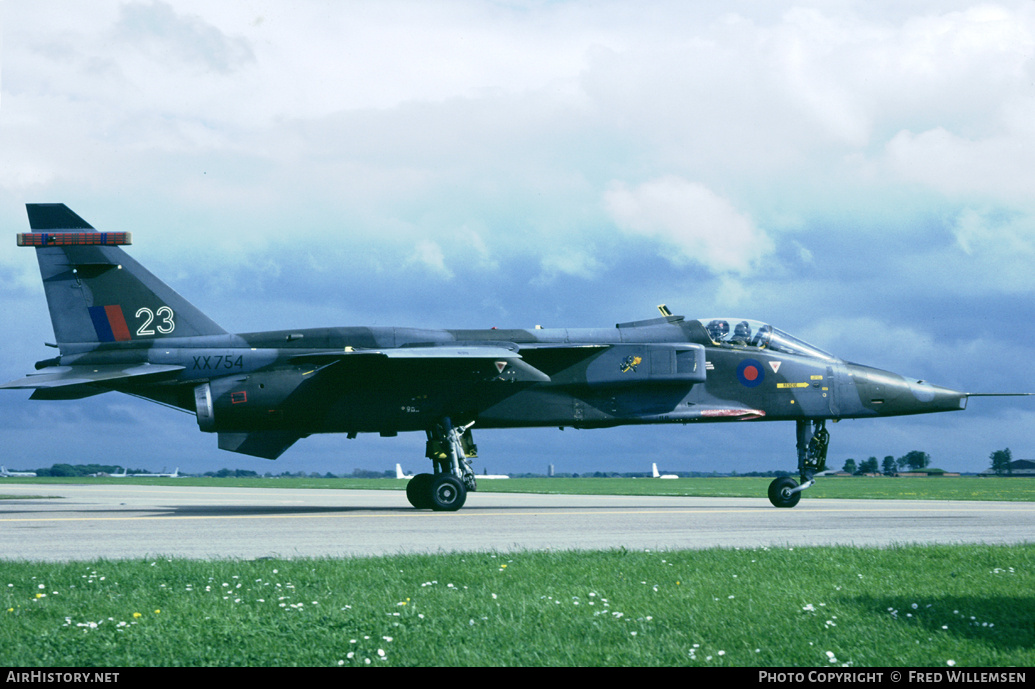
point(85, 522)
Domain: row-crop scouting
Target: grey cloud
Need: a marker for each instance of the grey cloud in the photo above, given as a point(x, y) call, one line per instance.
point(157, 28)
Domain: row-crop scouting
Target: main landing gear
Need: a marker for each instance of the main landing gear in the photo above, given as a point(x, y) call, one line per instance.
point(813, 440)
point(445, 490)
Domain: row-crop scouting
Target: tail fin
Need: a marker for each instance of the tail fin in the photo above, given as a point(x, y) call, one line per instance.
point(654, 469)
point(97, 293)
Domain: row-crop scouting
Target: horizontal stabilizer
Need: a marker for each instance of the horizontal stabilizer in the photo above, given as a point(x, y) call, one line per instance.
point(60, 382)
point(68, 392)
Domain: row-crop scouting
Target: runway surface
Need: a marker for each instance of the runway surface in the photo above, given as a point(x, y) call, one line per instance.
point(83, 522)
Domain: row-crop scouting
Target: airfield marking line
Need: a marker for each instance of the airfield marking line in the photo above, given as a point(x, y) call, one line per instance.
point(469, 514)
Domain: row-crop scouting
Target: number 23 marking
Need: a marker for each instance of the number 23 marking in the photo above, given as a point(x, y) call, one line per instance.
point(165, 324)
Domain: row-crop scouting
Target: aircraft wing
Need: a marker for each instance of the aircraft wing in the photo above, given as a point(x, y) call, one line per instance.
point(76, 382)
point(444, 364)
point(475, 360)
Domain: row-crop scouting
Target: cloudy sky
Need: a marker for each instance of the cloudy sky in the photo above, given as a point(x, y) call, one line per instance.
point(857, 173)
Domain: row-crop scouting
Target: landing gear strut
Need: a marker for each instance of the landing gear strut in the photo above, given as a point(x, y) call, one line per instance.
point(446, 490)
point(813, 440)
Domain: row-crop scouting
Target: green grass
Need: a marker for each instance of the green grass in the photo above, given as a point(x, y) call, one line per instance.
point(905, 488)
point(821, 607)
point(961, 488)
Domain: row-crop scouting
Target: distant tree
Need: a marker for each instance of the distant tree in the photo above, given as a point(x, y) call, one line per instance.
point(367, 473)
point(869, 466)
point(849, 467)
point(64, 470)
point(231, 473)
point(1001, 462)
point(916, 460)
point(889, 467)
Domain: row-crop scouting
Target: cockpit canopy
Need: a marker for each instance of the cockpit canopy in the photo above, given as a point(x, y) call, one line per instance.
point(750, 334)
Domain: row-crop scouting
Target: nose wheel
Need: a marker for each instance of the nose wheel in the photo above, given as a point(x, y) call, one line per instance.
point(782, 492)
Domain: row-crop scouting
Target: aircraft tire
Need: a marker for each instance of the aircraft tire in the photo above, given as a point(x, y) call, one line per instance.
point(778, 495)
point(447, 493)
point(418, 491)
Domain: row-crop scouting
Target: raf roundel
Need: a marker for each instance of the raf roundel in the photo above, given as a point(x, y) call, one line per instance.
point(750, 373)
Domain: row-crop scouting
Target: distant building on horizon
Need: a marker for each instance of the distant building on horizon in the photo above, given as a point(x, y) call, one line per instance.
point(1018, 467)
point(928, 472)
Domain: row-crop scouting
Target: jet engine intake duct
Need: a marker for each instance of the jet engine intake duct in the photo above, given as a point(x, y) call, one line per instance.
point(203, 405)
point(253, 402)
point(656, 363)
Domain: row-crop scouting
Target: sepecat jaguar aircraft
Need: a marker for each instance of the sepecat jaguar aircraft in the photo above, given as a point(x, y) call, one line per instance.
point(119, 328)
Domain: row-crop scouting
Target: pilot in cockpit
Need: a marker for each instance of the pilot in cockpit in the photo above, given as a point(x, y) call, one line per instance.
point(763, 336)
point(718, 330)
point(741, 333)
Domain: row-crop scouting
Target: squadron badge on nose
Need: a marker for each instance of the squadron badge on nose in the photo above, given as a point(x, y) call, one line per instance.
point(630, 363)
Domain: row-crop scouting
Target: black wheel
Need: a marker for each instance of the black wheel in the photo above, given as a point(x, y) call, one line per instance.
point(447, 493)
point(418, 491)
point(780, 492)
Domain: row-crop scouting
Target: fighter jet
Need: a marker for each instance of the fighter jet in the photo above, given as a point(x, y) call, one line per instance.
point(119, 328)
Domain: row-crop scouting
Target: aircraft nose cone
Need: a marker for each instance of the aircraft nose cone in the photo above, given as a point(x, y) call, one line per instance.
point(889, 394)
point(936, 398)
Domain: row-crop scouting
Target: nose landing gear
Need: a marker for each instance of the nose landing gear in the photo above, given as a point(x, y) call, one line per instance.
point(813, 441)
